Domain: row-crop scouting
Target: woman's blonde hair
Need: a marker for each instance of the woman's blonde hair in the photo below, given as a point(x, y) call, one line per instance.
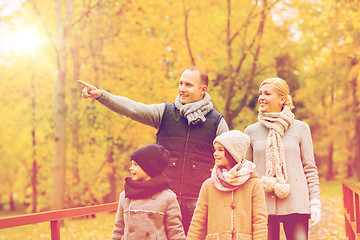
point(281, 88)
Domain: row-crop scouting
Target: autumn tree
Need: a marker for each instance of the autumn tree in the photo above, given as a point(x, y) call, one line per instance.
point(330, 80)
point(138, 49)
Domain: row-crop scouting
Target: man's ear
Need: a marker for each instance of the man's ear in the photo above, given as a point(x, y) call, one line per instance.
point(204, 89)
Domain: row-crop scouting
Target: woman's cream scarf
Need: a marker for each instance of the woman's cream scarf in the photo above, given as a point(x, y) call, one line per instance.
point(276, 174)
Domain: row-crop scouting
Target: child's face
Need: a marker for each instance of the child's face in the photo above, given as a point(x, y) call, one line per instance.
point(137, 174)
point(220, 158)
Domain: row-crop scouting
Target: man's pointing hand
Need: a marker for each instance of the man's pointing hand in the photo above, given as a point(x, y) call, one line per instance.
point(89, 91)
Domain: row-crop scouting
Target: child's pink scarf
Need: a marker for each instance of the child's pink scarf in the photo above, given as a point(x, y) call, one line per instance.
point(229, 180)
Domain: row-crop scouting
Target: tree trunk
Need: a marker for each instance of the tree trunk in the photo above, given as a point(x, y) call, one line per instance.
point(351, 149)
point(353, 75)
point(60, 105)
point(75, 122)
point(356, 140)
point(349, 168)
point(330, 170)
point(60, 144)
point(230, 81)
point(186, 15)
point(111, 174)
point(330, 162)
point(233, 83)
point(33, 134)
point(357, 143)
point(11, 202)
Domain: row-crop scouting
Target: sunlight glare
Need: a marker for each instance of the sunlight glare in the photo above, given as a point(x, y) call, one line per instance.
point(26, 40)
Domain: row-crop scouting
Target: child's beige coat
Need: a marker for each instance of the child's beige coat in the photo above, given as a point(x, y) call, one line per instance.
point(215, 210)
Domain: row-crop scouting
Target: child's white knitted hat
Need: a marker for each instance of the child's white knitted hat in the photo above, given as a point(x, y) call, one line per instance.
point(235, 142)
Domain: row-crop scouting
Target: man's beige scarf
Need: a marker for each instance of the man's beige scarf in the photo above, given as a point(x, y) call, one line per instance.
point(196, 111)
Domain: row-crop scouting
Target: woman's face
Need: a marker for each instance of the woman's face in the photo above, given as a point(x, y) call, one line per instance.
point(220, 158)
point(269, 100)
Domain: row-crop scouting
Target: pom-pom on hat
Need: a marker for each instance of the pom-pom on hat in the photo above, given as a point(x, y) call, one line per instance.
point(235, 142)
point(151, 158)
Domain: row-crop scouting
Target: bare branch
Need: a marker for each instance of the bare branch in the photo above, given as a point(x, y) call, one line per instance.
point(251, 17)
point(45, 25)
point(86, 13)
point(186, 15)
point(258, 36)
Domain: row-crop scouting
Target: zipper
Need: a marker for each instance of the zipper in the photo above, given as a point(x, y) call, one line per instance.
point(183, 165)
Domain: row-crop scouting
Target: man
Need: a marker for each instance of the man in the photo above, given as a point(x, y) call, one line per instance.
point(186, 128)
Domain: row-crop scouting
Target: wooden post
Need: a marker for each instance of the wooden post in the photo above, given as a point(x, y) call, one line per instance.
point(357, 211)
point(345, 194)
point(55, 230)
point(351, 205)
point(350, 208)
point(351, 193)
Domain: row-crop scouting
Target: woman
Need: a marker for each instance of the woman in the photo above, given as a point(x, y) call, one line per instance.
point(281, 148)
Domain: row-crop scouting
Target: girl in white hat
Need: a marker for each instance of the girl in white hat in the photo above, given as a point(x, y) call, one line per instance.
point(231, 204)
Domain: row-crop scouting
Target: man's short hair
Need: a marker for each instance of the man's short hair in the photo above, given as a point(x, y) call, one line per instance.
point(203, 74)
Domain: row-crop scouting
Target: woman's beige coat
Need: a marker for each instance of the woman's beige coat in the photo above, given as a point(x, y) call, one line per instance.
point(215, 211)
point(300, 165)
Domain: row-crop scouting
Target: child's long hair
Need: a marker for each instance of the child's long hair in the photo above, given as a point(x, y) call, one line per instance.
point(230, 158)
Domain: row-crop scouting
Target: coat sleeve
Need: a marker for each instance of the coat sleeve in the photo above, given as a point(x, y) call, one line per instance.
point(222, 127)
point(249, 153)
point(146, 114)
point(199, 220)
point(259, 212)
point(118, 231)
point(308, 160)
point(173, 225)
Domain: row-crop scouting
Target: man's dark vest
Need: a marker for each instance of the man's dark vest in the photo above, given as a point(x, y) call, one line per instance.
point(191, 150)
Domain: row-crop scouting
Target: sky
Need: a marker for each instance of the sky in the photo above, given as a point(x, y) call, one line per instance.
point(13, 38)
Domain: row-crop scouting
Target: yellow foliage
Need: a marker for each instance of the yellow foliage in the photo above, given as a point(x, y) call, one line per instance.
point(138, 49)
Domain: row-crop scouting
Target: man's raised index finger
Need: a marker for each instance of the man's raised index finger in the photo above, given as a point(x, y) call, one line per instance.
point(85, 84)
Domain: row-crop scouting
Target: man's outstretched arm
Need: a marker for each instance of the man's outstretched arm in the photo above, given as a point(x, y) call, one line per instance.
point(147, 114)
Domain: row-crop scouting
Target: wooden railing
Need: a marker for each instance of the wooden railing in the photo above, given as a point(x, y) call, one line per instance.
point(351, 193)
point(54, 216)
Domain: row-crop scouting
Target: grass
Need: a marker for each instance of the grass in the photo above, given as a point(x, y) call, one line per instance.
point(333, 187)
point(97, 228)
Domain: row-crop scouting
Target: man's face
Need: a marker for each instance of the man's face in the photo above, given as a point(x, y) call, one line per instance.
point(191, 88)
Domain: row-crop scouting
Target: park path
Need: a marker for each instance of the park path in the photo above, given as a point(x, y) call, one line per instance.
point(332, 224)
